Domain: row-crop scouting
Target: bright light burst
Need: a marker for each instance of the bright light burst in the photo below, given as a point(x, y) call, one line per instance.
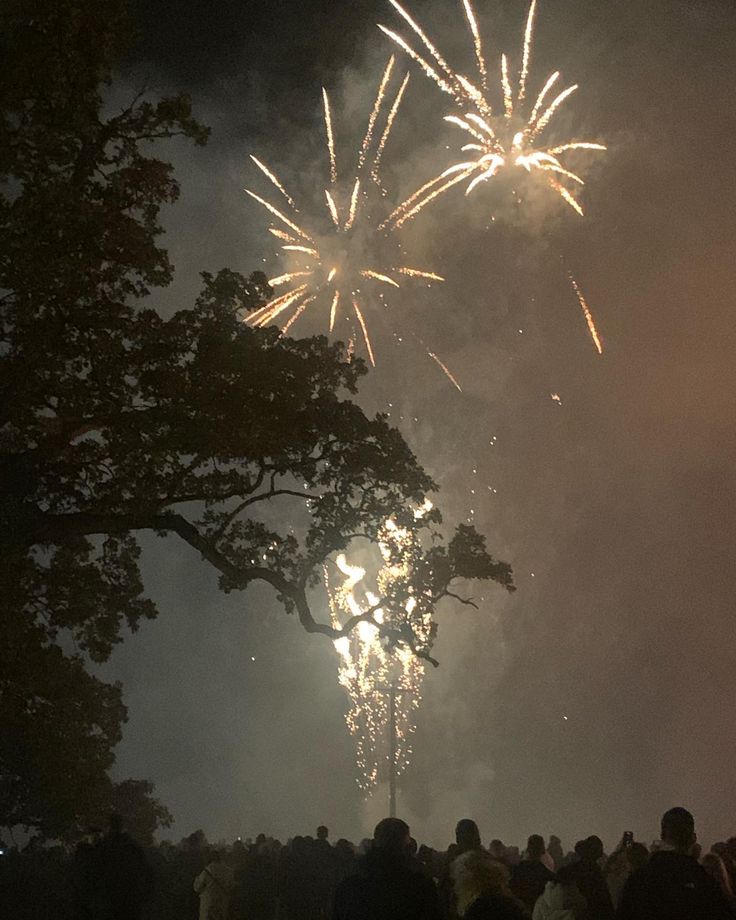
point(332, 271)
point(514, 139)
point(367, 667)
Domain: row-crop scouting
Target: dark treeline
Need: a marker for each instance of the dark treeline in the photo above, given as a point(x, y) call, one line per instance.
point(110, 877)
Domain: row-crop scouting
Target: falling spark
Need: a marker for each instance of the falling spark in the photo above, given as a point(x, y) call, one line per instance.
point(587, 314)
point(330, 266)
point(364, 330)
point(267, 172)
point(284, 279)
point(333, 308)
point(473, 23)
point(367, 667)
point(333, 208)
point(302, 307)
point(427, 43)
point(404, 212)
point(416, 273)
point(330, 137)
point(445, 370)
point(508, 93)
point(426, 67)
point(353, 205)
point(276, 213)
point(387, 130)
point(377, 276)
point(282, 235)
point(376, 109)
point(510, 140)
point(528, 35)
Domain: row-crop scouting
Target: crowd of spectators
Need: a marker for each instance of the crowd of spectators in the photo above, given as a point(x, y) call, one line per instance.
point(110, 877)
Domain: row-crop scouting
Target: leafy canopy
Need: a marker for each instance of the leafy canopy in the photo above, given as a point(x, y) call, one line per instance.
point(114, 421)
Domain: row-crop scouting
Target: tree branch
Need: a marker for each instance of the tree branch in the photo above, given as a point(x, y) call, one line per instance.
point(468, 601)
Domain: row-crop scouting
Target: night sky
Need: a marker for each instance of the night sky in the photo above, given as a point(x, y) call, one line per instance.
point(603, 691)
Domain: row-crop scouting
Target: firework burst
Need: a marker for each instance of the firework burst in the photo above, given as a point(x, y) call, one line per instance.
point(494, 140)
point(367, 668)
point(338, 271)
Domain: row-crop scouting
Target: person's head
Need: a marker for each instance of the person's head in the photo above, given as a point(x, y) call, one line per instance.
point(590, 849)
point(511, 856)
point(344, 849)
point(678, 830)
point(535, 847)
point(391, 838)
point(467, 835)
point(497, 849)
point(195, 841)
point(714, 866)
point(322, 832)
point(477, 874)
point(636, 855)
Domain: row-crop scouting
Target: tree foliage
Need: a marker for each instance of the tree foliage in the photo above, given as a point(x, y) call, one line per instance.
point(114, 421)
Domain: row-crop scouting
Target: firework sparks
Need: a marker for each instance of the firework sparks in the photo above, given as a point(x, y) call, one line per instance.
point(330, 268)
point(509, 140)
point(366, 666)
point(587, 314)
point(445, 370)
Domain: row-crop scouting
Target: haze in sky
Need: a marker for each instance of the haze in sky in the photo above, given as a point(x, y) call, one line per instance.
point(600, 693)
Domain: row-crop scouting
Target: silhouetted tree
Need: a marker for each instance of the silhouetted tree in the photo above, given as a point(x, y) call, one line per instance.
point(114, 421)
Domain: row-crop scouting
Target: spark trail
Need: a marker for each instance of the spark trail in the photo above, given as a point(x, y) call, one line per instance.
point(336, 271)
point(367, 667)
point(494, 141)
point(597, 341)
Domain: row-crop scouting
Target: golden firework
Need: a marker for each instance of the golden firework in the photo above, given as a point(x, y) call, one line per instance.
point(333, 270)
point(367, 667)
point(495, 141)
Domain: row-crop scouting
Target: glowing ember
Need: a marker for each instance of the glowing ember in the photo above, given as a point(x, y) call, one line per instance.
point(587, 314)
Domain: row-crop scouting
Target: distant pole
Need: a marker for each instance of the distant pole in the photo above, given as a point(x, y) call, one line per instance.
point(392, 752)
point(393, 692)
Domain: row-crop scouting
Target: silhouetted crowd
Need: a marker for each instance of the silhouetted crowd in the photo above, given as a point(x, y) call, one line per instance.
point(110, 877)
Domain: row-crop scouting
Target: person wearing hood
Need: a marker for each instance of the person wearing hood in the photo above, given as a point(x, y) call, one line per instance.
point(532, 874)
point(214, 885)
point(482, 889)
point(385, 887)
point(561, 900)
point(587, 875)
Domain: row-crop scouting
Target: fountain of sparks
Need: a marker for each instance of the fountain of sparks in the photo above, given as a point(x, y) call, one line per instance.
point(515, 138)
point(338, 270)
point(383, 682)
